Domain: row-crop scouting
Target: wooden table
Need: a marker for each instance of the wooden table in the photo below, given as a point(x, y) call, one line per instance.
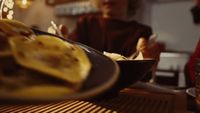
point(129, 100)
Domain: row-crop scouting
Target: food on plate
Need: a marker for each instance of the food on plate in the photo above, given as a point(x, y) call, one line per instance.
point(118, 57)
point(38, 64)
point(10, 28)
point(13, 27)
point(52, 56)
point(115, 56)
point(16, 80)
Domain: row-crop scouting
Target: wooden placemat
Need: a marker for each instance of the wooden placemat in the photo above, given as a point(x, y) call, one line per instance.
point(128, 101)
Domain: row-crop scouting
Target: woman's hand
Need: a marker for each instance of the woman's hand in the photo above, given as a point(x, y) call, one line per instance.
point(150, 49)
point(60, 30)
point(64, 30)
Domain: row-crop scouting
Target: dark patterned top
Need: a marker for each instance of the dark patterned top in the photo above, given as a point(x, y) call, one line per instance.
point(109, 34)
point(191, 69)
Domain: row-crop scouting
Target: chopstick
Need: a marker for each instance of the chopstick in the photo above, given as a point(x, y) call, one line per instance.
point(56, 29)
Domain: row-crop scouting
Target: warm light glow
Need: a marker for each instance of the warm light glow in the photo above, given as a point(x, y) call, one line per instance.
point(1, 9)
point(23, 3)
point(6, 6)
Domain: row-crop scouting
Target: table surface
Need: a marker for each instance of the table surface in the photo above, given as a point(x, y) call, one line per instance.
point(129, 100)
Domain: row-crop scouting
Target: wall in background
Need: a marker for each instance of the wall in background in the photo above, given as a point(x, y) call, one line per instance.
point(37, 15)
point(173, 23)
point(41, 15)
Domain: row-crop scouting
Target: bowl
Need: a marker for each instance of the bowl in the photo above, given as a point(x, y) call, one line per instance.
point(131, 71)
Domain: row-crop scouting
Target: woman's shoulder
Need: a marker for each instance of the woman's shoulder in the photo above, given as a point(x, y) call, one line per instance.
point(145, 30)
point(140, 25)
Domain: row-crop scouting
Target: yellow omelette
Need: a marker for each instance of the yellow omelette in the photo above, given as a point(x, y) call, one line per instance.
point(52, 56)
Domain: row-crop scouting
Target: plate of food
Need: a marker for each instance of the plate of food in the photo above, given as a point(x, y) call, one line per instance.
point(38, 67)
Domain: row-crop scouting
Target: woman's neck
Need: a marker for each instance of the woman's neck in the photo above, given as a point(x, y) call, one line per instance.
point(121, 17)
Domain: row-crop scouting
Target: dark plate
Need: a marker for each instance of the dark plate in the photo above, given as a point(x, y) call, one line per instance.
point(102, 77)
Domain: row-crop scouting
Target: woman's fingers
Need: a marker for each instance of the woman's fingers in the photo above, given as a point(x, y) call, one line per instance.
point(64, 30)
point(150, 49)
point(142, 44)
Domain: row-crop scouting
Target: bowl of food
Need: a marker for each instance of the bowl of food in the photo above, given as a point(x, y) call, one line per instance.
point(131, 70)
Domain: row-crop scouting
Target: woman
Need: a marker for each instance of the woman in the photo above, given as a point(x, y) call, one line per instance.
point(190, 67)
point(113, 30)
point(195, 12)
